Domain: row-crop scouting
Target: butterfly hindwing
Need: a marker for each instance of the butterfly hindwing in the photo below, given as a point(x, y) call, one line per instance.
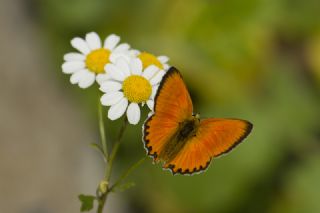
point(194, 157)
point(172, 105)
point(213, 138)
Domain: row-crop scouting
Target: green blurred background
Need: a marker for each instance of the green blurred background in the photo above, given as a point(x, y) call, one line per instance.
point(256, 60)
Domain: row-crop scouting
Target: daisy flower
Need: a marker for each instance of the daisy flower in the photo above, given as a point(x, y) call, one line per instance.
point(149, 59)
point(130, 85)
point(88, 64)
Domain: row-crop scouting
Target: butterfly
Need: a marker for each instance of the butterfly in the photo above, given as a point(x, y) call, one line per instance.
point(181, 140)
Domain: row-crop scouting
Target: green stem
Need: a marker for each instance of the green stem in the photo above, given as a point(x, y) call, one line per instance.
point(126, 173)
point(115, 149)
point(102, 133)
point(102, 199)
point(101, 202)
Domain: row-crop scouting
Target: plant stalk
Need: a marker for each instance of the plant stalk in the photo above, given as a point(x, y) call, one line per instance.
point(103, 197)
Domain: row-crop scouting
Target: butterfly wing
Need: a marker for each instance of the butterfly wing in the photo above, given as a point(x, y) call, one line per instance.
point(213, 138)
point(172, 105)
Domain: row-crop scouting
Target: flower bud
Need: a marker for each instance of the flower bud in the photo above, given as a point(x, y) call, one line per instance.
point(103, 186)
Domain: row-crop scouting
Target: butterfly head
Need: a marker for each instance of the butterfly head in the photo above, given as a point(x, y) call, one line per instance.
point(196, 117)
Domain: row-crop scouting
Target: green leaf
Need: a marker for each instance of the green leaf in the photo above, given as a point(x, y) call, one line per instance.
point(97, 147)
point(86, 202)
point(123, 187)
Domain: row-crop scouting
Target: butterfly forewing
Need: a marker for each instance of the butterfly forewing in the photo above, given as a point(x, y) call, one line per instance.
point(172, 106)
point(172, 100)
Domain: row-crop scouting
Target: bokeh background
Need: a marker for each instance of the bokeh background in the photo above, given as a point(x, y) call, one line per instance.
point(253, 59)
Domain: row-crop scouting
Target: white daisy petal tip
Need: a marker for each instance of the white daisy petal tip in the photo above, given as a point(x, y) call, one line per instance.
point(122, 48)
point(117, 110)
point(87, 80)
point(75, 77)
point(150, 104)
point(158, 77)
point(69, 67)
point(110, 86)
point(166, 67)
point(93, 40)
point(154, 91)
point(163, 59)
point(133, 113)
point(136, 66)
point(134, 53)
point(111, 41)
point(111, 98)
point(150, 71)
point(80, 44)
point(100, 78)
point(74, 57)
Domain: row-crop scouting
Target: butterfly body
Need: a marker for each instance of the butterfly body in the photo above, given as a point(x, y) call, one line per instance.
point(184, 143)
point(186, 130)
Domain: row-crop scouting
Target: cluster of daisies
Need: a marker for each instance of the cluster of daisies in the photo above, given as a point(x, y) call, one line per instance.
point(127, 77)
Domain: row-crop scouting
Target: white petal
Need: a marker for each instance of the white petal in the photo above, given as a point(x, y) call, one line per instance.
point(93, 40)
point(154, 91)
point(133, 113)
point(150, 104)
point(87, 80)
point(123, 66)
point(122, 47)
point(114, 72)
point(80, 45)
point(115, 56)
point(163, 59)
point(111, 41)
point(157, 78)
point(150, 71)
point(117, 110)
point(134, 53)
point(100, 78)
point(166, 67)
point(111, 98)
point(75, 78)
point(72, 66)
point(136, 66)
point(74, 57)
point(150, 114)
point(109, 86)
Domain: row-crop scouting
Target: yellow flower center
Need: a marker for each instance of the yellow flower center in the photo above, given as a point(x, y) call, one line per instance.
point(149, 59)
point(97, 59)
point(136, 89)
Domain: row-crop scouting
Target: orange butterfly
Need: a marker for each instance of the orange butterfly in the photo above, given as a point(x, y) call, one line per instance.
point(177, 137)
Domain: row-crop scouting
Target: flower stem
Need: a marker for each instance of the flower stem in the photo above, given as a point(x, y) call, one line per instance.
point(126, 173)
point(102, 133)
point(103, 197)
point(115, 149)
